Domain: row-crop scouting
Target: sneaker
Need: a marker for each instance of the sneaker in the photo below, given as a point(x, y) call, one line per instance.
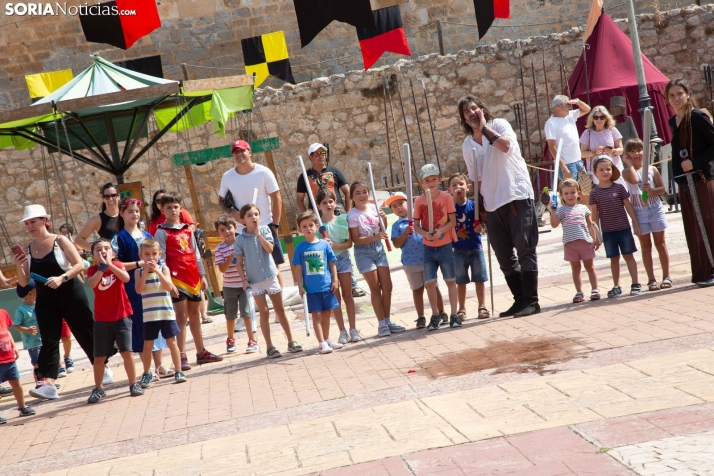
point(384, 331)
point(324, 348)
point(40, 382)
point(240, 325)
point(61, 372)
point(455, 321)
point(135, 390)
point(344, 337)
point(334, 345)
point(355, 336)
point(444, 317)
point(206, 357)
point(146, 379)
point(45, 392)
point(5, 391)
point(179, 377)
point(434, 323)
point(230, 345)
point(2, 421)
point(395, 328)
point(108, 376)
point(184, 363)
point(96, 396)
point(252, 347)
point(26, 411)
point(421, 322)
point(69, 364)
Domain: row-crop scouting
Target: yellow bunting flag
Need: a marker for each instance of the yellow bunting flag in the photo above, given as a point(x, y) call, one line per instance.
point(267, 55)
point(42, 84)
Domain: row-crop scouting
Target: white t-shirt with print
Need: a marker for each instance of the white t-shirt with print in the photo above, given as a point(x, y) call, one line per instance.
point(557, 128)
point(242, 187)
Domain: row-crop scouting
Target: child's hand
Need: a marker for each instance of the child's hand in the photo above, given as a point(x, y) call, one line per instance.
point(245, 285)
point(638, 231)
point(33, 330)
point(17, 356)
point(204, 283)
point(382, 215)
point(174, 292)
point(429, 237)
point(335, 286)
point(102, 258)
point(150, 265)
point(410, 230)
point(646, 187)
point(329, 241)
point(480, 228)
point(383, 235)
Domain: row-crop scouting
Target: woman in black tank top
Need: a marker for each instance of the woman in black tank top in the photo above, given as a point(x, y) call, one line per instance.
point(54, 258)
point(105, 222)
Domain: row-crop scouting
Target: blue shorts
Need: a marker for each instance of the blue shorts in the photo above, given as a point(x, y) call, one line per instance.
point(575, 169)
point(371, 256)
point(344, 263)
point(323, 301)
point(473, 258)
point(168, 329)
point(618, 242)
point(34, 355)
point(9, 372)
point(651, 219)
point(436, 257)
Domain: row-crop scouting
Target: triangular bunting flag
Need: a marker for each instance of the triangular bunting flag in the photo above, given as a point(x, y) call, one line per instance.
point(267, 55)
point(42, 84)
point(389, 36)
point(117, 30)
point(487, 11)
point(150, 65)
point(314, 15)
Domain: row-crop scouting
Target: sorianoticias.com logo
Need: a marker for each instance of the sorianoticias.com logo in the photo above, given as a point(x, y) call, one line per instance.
point(57, 8)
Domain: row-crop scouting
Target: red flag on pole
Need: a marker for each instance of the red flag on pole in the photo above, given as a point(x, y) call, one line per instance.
point(389, 36)
point(489, 10)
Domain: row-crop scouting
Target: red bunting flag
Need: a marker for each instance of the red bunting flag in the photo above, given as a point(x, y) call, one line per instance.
point(120, 22)
point(389, 36)
point(487, 11)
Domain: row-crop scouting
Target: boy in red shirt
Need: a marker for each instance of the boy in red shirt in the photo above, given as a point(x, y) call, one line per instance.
point(112, 321)
point(8, 367)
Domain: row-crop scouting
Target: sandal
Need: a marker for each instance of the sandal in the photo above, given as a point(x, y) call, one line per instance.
point(635, 290)
point(293, 346)
point(163, 372)
point(462, 314)
point(273, 353)
point(615, 292)
point(206, 320)
point(483, 313)
point(652, 285)
point(579, 297)
point(666, 283)
point(358, 292)
point(594, 295)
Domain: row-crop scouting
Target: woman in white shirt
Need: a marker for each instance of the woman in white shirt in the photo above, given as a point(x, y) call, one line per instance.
point(507, 194)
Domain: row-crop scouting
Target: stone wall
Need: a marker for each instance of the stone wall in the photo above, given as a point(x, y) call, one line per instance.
point(347, 111)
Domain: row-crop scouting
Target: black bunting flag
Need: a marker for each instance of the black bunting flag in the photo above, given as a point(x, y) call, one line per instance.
point(487, 11)
point(389, 36)
point(314, 15)
point(102, 23)
point(150, 65)
point(266, 55)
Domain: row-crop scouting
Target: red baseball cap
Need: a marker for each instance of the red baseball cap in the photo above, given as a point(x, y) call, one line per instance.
point(240, 144)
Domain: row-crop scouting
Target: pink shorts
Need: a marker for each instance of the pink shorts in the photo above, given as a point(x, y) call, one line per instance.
point(65, 330)
point(579, 250)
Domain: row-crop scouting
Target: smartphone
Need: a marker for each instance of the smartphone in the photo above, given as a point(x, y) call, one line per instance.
point(17, 250)
point(38, 278)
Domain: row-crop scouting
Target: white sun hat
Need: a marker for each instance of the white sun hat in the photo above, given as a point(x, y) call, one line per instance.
point(34, 211)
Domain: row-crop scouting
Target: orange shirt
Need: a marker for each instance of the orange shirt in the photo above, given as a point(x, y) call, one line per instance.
point(442, 205)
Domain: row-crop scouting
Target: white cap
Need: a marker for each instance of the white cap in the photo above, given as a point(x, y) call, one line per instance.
point(34, 211)
point(315, 147)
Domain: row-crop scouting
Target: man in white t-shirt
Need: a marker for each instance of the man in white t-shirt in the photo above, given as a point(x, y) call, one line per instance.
point(241, 181)
point(507, 192)
point(561, 125)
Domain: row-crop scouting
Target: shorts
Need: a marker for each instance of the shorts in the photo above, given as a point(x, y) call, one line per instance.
point(323, 301)
point(168, 329)
point(575, 169)
point(415, 275)
point(371, 256)
point(436, 257)
point(270, 286)
point(9, 372)
point(651, 219)
point(618, 242)
point(106, 333)
point(34, 354)
point(65, 333)
point(343, 263)
point(184, 296)
point(233, 300)
point(278, 256)
point(579, 250)
point(465, 258)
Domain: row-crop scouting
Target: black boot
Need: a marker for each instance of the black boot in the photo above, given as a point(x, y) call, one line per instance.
point(514, 284)
point(530, 294)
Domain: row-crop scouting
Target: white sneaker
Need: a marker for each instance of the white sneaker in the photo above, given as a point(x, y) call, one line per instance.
point(355, 336)
point(61, 372)
point(334, 345)
point(45, 392)
point(108, 376)
point(240, 325)
point(384, 331)
point(324, 348)
point(344, 337)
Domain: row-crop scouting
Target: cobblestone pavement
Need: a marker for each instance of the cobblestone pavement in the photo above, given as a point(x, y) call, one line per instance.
point(593, 379)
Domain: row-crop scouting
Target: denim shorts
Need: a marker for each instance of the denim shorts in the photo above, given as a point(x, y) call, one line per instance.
point(9, 372)
point(575, 169)
point(344, 263)
point(618, 242)
point(34, 354)
point(651, 219)
point(473, 258)
point(322, 301)
point(167, 328)
point(436, 257)
point(235, 299)
point(371, 256)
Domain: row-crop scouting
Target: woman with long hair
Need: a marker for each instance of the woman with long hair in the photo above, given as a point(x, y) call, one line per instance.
point(601, 137)
point(105, 222)
point(693, 153)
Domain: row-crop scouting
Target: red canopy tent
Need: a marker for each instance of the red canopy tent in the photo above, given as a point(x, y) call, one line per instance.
point(611, 72)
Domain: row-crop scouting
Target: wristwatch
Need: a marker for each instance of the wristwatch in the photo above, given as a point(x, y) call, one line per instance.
point(65, 278)
point(273, 225)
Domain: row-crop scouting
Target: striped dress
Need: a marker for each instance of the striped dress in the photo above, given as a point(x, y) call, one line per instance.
point(156, 300)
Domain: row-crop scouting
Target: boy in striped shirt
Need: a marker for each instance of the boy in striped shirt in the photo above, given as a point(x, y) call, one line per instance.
point(234, 297)
point(153, 282)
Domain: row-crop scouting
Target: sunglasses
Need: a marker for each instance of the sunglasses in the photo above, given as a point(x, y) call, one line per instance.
point(109, 197)
point(599, 118)
point(321, 153)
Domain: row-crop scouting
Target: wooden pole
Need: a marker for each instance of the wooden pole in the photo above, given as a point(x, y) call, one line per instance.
point(440, 37)
point(284, 227)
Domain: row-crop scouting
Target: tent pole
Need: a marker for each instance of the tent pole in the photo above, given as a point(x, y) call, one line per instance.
point(586, 47)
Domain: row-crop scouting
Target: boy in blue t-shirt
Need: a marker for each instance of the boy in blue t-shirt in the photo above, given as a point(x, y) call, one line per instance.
point(468, 250)
point(25, 322)
point(404, 238)
point(317, 276)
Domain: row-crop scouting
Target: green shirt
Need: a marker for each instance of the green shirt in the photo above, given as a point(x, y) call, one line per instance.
point(338, 231)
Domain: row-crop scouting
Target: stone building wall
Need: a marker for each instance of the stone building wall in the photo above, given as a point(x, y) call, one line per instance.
point(347, 111)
